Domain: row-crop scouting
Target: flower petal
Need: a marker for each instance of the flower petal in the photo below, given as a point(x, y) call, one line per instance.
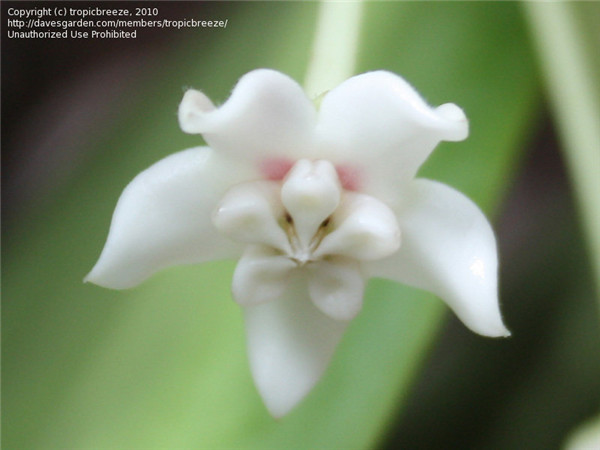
point(310, 193)
point(448, 248)
point(290, 343)
point(377, 125)
point(250, 213)
point(262, 275)
point(336, 287)
point(163, 218)
point(267, 116)
point(363, 228)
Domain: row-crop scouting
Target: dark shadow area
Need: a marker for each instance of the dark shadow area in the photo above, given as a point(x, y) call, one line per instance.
point(531, 390)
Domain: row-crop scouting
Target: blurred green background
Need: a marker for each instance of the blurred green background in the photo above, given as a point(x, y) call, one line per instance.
point(163, 365)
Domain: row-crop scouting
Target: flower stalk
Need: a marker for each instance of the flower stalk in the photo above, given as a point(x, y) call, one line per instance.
point(335, 46)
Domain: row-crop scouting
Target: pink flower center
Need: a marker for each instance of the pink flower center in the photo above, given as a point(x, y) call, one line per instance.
point(275, 169)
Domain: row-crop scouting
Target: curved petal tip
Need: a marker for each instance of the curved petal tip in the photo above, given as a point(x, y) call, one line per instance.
point(487, 322)
point(455, 123)
point(449, 248)
point(103, 275)
point(192, 110)
point(162, 218)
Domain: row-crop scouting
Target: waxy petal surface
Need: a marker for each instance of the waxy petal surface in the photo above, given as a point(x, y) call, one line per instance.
point(310, 193)
point(262, 275)
point(267, 117)
point(163, 218)
point(290, 344)
point(249, 213)
point(379, 126)
point(363, 228)
point(449, 249)
point(336, 286)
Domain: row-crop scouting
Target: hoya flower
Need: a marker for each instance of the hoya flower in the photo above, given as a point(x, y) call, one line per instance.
point(312, 201)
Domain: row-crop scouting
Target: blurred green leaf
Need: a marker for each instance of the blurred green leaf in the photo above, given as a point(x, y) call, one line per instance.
point(568, 52)
point(527, 392)
point(164, 365)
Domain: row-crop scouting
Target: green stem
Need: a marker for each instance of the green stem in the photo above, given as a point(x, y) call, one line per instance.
point(335, 46)
point(574, 99)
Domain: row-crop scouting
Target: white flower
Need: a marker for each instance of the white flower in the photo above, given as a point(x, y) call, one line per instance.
point(313, 202)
